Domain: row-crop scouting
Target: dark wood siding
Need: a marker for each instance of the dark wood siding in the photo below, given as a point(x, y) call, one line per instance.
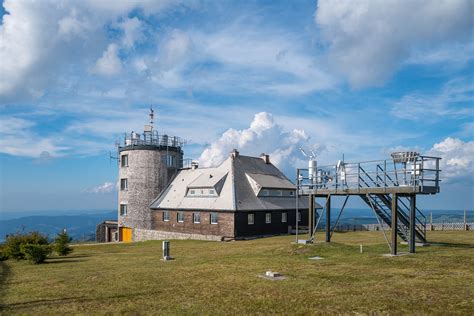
point(225, 226)
point(260, 227)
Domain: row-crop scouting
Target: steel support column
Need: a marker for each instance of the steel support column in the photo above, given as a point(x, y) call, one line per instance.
point(328, 218)
point(311, 207)
point(412, 223)
point(394, 223)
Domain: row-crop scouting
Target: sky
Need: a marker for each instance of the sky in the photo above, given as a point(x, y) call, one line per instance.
point(359, 78)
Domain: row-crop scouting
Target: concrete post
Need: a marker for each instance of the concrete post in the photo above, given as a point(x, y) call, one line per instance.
point(394, 222)
point(328, 219)
point(412, 223)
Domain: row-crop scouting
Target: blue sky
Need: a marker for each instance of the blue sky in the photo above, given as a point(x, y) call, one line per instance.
point(363, 78)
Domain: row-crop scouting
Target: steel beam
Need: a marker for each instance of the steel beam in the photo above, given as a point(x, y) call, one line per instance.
point(328, 219)
point(412, 223)
point(311, 215)
point(394, 223)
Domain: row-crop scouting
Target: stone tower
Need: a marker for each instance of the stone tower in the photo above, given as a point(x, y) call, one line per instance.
point(147, 163)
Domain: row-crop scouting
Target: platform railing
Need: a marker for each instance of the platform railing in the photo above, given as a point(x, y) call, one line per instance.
point(421, 171)
point(151, 138)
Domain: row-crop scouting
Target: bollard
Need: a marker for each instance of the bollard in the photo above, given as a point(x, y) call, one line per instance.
point(166, 250)
point(360, 248)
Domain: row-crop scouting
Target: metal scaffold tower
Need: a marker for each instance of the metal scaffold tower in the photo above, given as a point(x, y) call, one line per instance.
point(389, 187)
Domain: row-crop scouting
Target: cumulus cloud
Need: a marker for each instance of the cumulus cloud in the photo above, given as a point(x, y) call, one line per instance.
point(263, 136)
point(106, 187)
point(40, 40)
point(368, 40)
point(457, 159)
point(109, 64)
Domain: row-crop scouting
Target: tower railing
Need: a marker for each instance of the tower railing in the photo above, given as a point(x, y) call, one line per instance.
point(152, 138)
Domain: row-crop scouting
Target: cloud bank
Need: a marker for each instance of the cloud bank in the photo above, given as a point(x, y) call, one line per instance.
point(262, 136)
point(369, 40)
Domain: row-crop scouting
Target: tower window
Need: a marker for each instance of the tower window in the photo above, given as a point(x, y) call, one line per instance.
point(123, 209)
point(214, 218)
point(284, 217)
point(123, 184)
point(170, 161)
point(166, 216)
point(197, 218)
point(124, 161)
point(299, 216)
point(251, 219)
point(268, 218)
point(180, 217)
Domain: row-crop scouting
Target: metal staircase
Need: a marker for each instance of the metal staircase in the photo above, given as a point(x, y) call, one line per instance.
point(381, 204)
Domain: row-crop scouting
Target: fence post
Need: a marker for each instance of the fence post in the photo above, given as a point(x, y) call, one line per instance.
point(431, 221)
point(465, 220)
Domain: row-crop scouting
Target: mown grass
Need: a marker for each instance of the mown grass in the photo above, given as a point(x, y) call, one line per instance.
point(222, 278)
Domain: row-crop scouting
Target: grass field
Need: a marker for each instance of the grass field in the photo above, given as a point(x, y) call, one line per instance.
point(222, 278)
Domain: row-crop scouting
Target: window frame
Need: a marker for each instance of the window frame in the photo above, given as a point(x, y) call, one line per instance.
point(198, 216)
point(268, 218)
point(216, 217)
point(250, 219)
point(122, 186)
point(284, 217)
point(124, 158)
point(299, 216)
point(178, 215)
point(166, 216)
point(123, 209)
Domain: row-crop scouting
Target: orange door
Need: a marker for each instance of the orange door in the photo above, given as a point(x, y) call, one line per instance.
point(125, 234)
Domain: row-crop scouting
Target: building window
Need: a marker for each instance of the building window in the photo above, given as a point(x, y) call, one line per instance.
point(192, 192)
point(124, 161)
point(170, 161)
point(283, 217)
point(211, 191)
point(250, 219)
point(166, 216)
point(268, 218)
point(292, 193)
point(196, 218)
point(265, 193)
point(123, 184)
point(299, 216)
point(123, 209)
point(180, 217)
point(214, 218)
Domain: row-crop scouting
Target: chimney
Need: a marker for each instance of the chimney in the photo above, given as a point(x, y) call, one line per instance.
point(194, 165)
point(265, 158)
point(234, 153)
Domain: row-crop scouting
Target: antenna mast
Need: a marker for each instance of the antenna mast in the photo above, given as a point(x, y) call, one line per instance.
point(152, 116)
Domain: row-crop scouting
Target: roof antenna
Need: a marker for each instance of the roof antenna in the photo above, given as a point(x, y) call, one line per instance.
point(152, 116)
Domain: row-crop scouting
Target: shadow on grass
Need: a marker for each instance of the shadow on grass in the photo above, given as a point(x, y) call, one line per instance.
point(4, 274)
point(452, 245)
point(50, 261)
point(69, 257)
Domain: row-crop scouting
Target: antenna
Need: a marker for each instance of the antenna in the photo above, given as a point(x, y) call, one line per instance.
point(152, 116)
point(303, 152)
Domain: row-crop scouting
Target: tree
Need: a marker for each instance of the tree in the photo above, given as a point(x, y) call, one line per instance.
point(61, 244)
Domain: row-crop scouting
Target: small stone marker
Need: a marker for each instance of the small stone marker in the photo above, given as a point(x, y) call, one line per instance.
point(272, 275)
point(316, 258)
point(166, 251)
point(360, 248)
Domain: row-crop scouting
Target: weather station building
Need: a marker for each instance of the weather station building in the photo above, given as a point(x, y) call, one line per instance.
point(158, 198)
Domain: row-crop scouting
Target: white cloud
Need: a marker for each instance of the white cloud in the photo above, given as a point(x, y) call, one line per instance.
point(17, 138)
point(109, 64)
point(132, 31)
point(106, 187)
point(41, 41)
point(263, 136)
point(368, 40)
point(454, 100)
point(457, 160)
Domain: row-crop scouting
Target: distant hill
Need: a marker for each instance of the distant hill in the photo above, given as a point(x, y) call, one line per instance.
point(79, 226)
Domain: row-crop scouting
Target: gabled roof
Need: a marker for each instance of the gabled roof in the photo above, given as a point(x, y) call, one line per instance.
point(237, 181)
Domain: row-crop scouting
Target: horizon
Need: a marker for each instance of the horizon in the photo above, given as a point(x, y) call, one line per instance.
point(259, 77)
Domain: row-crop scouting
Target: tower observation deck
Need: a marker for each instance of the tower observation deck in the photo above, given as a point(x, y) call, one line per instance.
point(389, 187)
